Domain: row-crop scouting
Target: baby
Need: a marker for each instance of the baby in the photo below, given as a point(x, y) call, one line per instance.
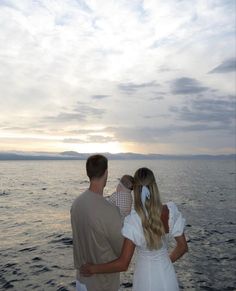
point(122, 198)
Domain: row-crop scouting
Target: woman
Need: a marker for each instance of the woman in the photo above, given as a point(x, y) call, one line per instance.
point(148, 228)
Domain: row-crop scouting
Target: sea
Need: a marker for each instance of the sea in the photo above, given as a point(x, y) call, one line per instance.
point(35, 231)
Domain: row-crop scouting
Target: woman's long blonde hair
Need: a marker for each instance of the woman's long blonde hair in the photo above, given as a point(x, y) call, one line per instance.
point(151, 217)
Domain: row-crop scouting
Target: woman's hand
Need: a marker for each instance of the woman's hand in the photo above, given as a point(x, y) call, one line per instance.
point(86, 270)
point(180, 249)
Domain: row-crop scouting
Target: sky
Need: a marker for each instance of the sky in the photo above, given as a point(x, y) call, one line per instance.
point(143, 76)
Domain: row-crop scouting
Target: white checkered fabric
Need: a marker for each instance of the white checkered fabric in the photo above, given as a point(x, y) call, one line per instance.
point(123, 200)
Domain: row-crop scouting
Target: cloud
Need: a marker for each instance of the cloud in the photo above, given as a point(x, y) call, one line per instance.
point(85, 131)
point(226, 66)
point(84, 6)
point(206, 110)
point(85, 109)
point(100, 96)
point(201, 127)
point(165, 41)
point(158, 95)
point(186, 85)
point(73, 140)
point(100, 139)
point(139, 134)
point(90, 139)
point(12, 4)
point(80, 112)
point(108, 52)
point(133, 87)
point(67, 117)
point(56, 53)
point(166, 133)
point(156, 98)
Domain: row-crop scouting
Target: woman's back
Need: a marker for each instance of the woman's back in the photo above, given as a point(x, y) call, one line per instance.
point(154, 270)
point(172, 220)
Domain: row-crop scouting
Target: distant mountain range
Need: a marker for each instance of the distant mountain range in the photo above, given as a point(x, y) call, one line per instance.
point(71, 155)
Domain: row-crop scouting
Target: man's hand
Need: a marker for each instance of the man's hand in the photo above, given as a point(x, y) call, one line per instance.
point(86, 270)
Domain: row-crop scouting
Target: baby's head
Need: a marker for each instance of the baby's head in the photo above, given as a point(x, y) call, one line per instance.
point(127, 181)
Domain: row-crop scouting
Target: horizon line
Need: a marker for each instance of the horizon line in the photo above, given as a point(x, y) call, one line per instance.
point(73, 155)
point(70, 152)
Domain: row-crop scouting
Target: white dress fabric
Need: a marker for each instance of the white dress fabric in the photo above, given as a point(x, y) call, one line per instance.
point(154, 270)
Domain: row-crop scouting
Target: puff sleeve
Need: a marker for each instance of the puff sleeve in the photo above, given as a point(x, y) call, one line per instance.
point(132, 229)
point(176, 220)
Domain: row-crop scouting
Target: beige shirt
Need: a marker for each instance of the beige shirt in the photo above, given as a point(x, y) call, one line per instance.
point(96, 229)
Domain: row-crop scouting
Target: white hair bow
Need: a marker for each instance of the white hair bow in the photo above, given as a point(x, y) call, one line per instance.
point(145, 194)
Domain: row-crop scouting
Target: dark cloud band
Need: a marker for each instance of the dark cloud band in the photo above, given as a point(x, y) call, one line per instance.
point(226, 66)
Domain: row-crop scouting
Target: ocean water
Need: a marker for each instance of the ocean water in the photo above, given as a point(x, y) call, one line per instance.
point(35, 233)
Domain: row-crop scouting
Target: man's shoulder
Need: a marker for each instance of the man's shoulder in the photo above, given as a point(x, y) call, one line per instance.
point(94, 200)
point(112, 198)
point(108, 211)
point(81, 196)
point(80, 199)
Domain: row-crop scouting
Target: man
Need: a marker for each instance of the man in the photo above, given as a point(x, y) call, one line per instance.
point(96, 229)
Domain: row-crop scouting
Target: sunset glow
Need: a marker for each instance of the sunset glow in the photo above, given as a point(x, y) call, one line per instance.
point(118, 76)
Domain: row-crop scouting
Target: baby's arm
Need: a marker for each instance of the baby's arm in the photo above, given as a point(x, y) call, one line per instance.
point(119, 188)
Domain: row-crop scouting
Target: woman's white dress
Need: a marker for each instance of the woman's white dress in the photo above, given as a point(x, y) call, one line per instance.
point(153, 270)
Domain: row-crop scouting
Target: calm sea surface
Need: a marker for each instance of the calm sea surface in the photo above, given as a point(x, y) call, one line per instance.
point(35, 234)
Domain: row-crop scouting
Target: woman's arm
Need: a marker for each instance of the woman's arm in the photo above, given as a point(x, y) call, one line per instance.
point(119, 265)
point(180, 248)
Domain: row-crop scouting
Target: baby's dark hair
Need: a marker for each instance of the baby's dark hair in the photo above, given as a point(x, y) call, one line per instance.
point(127, 181)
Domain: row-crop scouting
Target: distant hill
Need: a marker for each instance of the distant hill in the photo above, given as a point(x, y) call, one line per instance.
point(72, 155)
